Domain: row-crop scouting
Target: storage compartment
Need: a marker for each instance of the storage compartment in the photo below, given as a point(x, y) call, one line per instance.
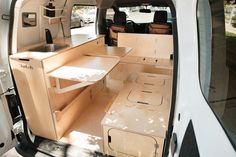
point(137, 120)
point(132, 144)
point(86, 130)
point(144, 96)
point(148, 79)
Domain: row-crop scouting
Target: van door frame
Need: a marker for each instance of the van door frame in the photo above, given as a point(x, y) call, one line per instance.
point(7, 137)
point(167, 141)
point(192, 110)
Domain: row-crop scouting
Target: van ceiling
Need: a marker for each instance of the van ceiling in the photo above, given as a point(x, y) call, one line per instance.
point(87, 2)
point(130, 3)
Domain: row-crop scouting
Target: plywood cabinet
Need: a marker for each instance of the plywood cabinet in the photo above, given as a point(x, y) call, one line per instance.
point(31, 86)
point(97, 97)
point(48, 113)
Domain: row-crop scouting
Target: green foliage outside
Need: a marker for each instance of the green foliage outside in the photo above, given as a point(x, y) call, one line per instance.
point(82, 9)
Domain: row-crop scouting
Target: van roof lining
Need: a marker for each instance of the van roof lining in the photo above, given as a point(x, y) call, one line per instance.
point(130, 3)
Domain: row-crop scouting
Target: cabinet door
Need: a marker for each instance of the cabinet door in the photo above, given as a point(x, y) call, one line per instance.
point(132, 144)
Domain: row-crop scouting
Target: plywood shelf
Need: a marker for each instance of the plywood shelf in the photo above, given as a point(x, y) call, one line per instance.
point(108, 51)
point(56, 9)
point(58, 14)
point(56, 19)
point(86, 70)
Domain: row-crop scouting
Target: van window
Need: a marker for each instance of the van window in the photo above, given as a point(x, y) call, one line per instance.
point(217, 60)
point(110, 14)
point(134, 14)
point(83, 19)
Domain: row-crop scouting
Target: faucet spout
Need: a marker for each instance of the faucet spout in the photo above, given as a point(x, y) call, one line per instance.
point(48, 36)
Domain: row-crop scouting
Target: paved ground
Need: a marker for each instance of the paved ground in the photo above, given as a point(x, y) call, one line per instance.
point(87, 29)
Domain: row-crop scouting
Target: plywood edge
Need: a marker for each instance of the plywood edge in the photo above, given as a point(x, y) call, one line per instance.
point(108, 51)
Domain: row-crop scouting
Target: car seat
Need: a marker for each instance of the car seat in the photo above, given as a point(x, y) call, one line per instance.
point(117, 27)
point(160, 25)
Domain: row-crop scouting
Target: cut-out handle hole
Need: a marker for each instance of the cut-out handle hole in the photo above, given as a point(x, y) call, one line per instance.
point(2, 145)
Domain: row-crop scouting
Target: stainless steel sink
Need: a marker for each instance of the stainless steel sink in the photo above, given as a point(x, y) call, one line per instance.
point(49, 48)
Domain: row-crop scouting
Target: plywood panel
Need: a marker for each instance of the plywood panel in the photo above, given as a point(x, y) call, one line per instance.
point(120, 138)
point(108, 51)
point(85, 69)
point(155, 45)
point(128, 72)
point(60, 59)
point(59, 101)
point(132, 143)
point(86, 130)
point(29, 77)
point(65, 117)
point(145, 96)
point(151, 79)
point(128, 115)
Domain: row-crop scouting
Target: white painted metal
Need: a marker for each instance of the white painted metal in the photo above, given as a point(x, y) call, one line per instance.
point(6, 124)
point(211, 138)
point(5, 128)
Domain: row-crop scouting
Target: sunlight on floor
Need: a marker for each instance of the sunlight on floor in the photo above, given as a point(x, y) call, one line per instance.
point(84, 140)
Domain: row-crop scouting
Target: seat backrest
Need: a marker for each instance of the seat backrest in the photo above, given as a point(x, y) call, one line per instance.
point(113, 33)
point(120, 18)
point(117, 27)
point(160, 25)
point(160, 17)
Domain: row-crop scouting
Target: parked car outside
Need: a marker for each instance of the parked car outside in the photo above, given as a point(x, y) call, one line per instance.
point(77, 20)
point(89, 17)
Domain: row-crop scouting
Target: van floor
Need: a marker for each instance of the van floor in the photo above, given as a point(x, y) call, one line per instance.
point(86, 132)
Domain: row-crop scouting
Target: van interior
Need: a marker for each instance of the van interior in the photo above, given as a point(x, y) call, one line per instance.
point(109, 91)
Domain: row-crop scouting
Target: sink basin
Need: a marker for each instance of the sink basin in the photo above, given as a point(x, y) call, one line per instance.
point(49, 47)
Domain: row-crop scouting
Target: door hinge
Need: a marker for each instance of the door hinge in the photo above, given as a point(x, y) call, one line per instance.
point(18, 127)
point(5, 17)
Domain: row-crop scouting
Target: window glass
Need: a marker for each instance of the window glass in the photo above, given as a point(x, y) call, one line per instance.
point(110, 14)
point(217, 59)
point(83, 19)
point(134, 14)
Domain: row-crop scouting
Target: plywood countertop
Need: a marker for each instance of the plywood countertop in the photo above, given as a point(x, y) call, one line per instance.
point(72, 42)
